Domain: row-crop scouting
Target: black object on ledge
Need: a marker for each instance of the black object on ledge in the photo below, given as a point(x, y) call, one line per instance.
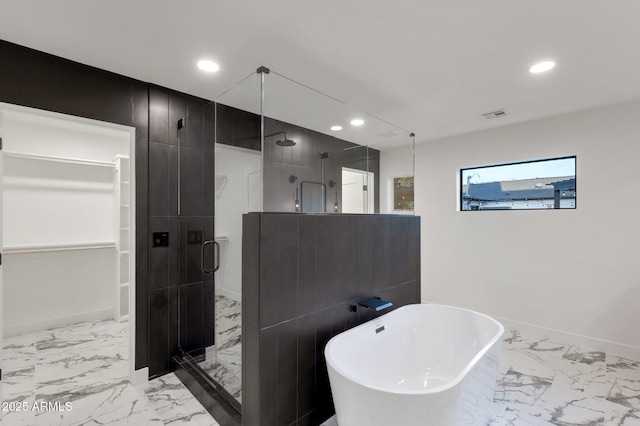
point(375, 303)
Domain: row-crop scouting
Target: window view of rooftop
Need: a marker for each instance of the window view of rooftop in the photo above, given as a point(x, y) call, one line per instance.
point(540, 184)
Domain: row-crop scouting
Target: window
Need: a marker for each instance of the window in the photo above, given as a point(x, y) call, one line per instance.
point(539, 184)
point(403, 194)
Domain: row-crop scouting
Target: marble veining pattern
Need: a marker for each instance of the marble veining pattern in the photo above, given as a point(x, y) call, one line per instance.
point(540, 383)
point(543, 382)
point(223, 362)
point(547, 383)
point(86, 366)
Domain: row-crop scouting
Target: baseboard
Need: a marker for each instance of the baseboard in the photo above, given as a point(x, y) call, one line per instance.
point(32, 327)
point(140, 377)
point(585, 342)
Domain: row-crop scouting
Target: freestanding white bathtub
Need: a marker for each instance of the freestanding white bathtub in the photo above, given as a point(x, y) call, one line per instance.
point(421, 364)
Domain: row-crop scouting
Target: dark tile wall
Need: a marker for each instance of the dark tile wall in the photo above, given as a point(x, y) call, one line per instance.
point(39, 80)
point(180, 293)
point(301, 273)
point(238, 128)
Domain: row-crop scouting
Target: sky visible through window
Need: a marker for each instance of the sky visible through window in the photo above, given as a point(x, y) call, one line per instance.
point(530, 170)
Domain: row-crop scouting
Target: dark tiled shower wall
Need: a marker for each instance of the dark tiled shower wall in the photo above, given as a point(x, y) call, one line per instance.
point(39, 80)
point(301, 273)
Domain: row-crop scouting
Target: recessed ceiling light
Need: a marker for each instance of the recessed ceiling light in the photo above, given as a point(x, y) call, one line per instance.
point(542, 67)
point(208, 66)
point(336, 128)
point(357, 122)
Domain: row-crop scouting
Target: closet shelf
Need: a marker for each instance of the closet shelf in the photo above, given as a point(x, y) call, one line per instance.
point(43, 248)
point(65, 160)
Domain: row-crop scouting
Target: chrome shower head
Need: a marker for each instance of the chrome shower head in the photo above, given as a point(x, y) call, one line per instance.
point(285, 142)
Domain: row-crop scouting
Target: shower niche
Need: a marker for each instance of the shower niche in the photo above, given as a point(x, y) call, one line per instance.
point(268, 144)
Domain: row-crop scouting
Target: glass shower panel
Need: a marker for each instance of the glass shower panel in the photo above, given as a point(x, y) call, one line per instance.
point(313, 140)
point(268, 144)
point(238, 190)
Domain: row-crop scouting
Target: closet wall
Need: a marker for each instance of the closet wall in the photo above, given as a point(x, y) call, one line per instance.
point(64, 194)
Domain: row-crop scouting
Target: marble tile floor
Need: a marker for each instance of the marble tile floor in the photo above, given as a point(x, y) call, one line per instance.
point(541, 383)
point(78, 375)
point(545, 383)
point(224, 361)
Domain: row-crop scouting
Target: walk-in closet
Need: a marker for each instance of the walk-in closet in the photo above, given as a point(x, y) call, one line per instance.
point(67, 193)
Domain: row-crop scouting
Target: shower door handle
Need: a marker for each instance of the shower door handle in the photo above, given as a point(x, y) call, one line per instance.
point(216, 250)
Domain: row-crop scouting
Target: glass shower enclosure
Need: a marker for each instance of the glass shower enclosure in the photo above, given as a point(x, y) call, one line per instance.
point(268, 144)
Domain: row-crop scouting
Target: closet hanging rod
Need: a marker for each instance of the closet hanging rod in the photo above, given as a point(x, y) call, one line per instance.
point(45, 248)
point(59, 159)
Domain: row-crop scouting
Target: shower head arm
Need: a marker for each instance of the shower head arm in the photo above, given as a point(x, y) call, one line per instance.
point(281, 132)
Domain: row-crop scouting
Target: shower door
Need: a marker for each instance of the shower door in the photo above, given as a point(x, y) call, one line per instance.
point(220, 179)
point(238, 187)
point(237, 190)
point(213, 182)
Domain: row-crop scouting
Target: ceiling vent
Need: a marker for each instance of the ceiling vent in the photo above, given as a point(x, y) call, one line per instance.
point(494, 114)
point(388, 134)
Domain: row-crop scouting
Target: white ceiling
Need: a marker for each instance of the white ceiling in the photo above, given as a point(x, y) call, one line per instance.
point(427, 66)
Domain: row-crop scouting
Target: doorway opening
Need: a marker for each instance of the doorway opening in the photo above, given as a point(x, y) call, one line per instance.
point(358, 191)
point(68, 254)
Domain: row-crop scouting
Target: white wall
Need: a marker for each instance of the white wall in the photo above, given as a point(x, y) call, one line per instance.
point(56, 203)
point(574, 271)
point(43, 134)
point(234, 197)
point(46, 290)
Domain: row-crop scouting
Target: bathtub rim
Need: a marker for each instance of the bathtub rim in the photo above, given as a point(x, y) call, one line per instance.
point(449, 385)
